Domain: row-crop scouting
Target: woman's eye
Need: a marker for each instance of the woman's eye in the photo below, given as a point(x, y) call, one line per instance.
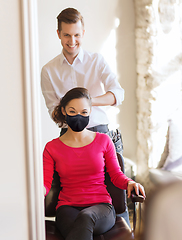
point(84, 112)
point(72, 111)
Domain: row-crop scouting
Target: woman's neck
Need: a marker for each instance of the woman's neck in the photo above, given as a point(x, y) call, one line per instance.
point(76, 136)
point(77, 139)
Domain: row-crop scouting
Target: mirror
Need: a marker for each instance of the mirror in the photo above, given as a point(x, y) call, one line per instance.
point(109, 30)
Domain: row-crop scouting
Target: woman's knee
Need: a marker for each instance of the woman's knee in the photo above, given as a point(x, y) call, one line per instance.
point(86, 216)
point(105, 222)
point(99, 216)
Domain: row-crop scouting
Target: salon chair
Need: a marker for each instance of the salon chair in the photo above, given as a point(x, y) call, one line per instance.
point(120, 230)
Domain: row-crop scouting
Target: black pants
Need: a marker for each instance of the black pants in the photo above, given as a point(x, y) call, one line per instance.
point(80, 223)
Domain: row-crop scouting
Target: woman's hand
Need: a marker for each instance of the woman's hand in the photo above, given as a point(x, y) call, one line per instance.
point(138, 188)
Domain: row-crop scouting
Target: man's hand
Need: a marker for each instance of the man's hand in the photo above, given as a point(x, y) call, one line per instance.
point(138, 188)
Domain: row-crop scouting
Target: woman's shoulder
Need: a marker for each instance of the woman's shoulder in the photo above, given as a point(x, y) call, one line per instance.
point(104, 141)
point(52, 143)
point(103, 137)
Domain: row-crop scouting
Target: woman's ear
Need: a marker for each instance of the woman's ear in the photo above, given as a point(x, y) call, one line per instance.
point(63, 111)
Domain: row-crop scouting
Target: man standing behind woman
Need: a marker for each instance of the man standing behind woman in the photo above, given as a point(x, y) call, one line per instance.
point(75, 67)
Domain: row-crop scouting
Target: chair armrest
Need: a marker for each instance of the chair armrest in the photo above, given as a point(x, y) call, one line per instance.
point(136, 198)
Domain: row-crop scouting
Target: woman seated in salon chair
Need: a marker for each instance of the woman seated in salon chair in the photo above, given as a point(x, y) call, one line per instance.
point(79, 156)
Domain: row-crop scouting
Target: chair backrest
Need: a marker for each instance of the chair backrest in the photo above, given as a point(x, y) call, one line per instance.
point(118, 195)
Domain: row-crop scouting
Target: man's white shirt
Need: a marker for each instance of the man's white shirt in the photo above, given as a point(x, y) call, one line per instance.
point(89, 70)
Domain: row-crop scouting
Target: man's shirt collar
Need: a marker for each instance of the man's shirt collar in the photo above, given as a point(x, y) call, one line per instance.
point(79, 57)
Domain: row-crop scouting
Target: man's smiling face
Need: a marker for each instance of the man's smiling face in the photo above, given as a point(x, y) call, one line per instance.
point(71, 36)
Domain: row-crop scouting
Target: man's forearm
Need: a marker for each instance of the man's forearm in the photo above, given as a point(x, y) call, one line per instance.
point(106, 99)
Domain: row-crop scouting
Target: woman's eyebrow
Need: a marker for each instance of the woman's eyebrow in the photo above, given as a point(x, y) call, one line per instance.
point(85, 109)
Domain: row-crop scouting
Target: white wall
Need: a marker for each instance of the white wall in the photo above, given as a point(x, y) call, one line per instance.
point(13, 181)
point(117, 44)
point(127, 75)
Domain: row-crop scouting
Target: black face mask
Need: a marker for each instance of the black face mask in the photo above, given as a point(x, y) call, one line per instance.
point(78, 122)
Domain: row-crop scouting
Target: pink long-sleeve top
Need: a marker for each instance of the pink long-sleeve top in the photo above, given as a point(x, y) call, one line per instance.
point(81, 171)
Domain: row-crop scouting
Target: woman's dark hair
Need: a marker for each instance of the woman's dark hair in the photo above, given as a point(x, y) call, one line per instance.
point(69, 15)
point(74, 93)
